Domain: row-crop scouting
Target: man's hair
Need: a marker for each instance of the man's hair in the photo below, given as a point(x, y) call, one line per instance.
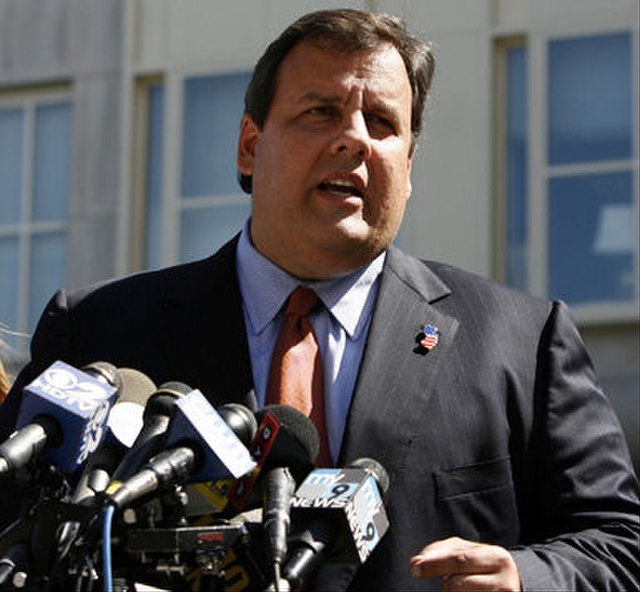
point(345, 30)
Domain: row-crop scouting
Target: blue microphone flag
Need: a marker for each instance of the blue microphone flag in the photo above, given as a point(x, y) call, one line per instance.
point(78, 402)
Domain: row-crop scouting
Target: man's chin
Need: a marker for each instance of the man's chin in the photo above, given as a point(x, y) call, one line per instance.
point(352, 252)
point(350, 236)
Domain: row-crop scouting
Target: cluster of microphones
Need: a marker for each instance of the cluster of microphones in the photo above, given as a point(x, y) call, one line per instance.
point(122, 483)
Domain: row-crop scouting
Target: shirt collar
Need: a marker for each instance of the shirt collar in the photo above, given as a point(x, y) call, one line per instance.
point(265, 287)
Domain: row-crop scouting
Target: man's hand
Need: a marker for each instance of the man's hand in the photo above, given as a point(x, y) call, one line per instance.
point(465, 565)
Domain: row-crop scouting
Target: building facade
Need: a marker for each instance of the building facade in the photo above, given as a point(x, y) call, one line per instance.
point(118, 122)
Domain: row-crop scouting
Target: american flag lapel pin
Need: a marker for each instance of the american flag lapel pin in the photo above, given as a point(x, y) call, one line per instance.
point(429, 337)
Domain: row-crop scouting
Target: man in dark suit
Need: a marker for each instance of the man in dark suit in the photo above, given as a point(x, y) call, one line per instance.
point(508, 469)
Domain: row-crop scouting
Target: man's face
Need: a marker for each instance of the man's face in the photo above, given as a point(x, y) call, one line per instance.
point(331, 166)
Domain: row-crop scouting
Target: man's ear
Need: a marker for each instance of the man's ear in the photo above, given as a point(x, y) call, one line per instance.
point(249, 134)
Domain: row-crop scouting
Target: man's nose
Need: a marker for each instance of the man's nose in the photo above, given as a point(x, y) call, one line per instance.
point(353, 137)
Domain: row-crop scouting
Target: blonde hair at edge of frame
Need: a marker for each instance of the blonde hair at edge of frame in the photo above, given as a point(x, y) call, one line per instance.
point(4, 383)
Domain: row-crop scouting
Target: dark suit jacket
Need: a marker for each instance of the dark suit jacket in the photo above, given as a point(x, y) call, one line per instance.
point(499, 434)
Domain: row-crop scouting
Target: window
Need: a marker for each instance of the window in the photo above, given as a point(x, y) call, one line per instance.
point(212, 206)
point(154, 147)
point(569, 179)
point(35, 146)
point(589, 184)
point(192, 202)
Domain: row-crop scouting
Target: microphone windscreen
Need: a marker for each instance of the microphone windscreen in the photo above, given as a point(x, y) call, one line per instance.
point(125, 418)
point(156, 416)
point(163, 400)
point(296, 443)
point(241, 420)
point(297, 425)
point(374, 468)
point(137, 387)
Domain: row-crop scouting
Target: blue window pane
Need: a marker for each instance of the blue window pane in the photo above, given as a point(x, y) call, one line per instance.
point(592, 237)
point(11, 147)
point(155, 144)
point(590, 99)
point(213, 107)
point(517, 178)
point(47, 271)
point(9, 266)
point(51, 161)
point(203, 231)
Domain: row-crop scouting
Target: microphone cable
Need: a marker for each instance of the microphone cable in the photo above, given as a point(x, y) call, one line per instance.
point(107, 568)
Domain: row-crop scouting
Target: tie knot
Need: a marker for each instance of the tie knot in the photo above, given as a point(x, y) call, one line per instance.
point(301, 302)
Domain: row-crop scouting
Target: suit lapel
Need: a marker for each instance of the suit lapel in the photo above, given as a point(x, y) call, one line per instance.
point(396, 375)
point(206, 333)
point(207, 348)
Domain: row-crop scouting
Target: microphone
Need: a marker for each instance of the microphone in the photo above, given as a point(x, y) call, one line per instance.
point(283, 433)
point(286, 438)
point(155, 422)
point(13, 558)
point(350, 525)
point(217, 436)
point(278, 492)
point(289, 461)
point(279, 426)
point(200, 445)
point(62, 417)
point(123, 426)
point(215, 496)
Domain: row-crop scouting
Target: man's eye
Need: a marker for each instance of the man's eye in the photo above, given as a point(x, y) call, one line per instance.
point(323, 111)
point(381, 123)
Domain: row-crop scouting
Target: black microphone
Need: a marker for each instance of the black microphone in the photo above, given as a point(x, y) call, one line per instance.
point(13, 559)
point(289, 461)
point(278, 491)
point(285, 437)
point(227, 495)
point(62, 417)
point(156, 417)
point(241, 420)
point(211, 496)
point(200, 444)
point(123, 425)
point(345, 518)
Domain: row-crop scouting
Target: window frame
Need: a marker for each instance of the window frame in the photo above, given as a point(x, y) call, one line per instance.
point(176, 203)
point(540, 172)
point(173, 202)
point(25, 229)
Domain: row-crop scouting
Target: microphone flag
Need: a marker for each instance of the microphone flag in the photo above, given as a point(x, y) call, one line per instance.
point(260, 449)
point(195, 419)
point(80, 404)
point(353, 497)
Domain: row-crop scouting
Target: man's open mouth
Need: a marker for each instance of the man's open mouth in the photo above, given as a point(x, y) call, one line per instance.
point(341, 187)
